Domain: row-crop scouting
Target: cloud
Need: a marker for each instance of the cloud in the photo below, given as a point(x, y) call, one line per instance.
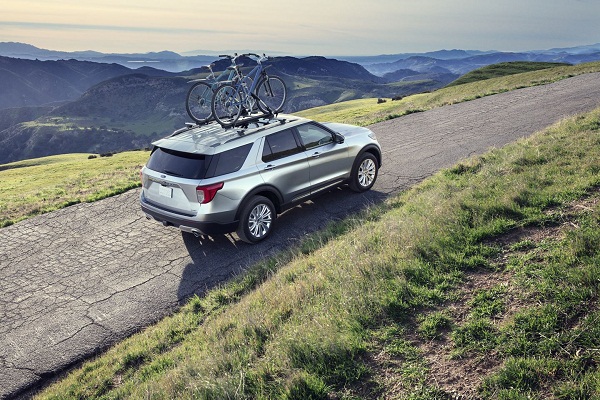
point(123, 28)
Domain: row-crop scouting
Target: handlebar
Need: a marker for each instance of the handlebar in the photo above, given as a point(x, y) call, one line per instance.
point(231, 57)
point(235, 56)
point(259, 57)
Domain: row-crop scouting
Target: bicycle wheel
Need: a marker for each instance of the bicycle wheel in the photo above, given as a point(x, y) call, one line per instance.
point(272, 93)
point(227, 105)
point(197, 102)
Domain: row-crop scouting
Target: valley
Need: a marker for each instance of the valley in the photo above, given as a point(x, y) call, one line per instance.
point(98, 103)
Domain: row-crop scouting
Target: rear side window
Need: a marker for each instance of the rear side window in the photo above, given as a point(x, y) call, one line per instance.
point(176, 163)
point(228, 161)
point(279, 145)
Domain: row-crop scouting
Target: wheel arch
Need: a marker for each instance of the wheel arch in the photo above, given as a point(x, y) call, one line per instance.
point(374, 150)
point(270, 192)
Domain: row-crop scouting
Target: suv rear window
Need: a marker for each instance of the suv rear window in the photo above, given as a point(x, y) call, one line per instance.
point(176, 163)
point(228, 161)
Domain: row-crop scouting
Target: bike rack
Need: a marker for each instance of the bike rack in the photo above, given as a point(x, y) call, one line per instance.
point(241, 127)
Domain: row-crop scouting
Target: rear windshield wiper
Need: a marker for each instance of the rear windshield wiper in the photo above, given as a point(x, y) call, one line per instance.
point(172, 173)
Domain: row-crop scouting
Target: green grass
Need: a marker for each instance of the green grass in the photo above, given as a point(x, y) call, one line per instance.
point(367, 111)
point(326, 319)
point(503, 69)
point(33, 187)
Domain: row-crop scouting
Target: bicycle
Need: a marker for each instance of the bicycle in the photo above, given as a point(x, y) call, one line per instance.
point(256, 89)
point(199, 96)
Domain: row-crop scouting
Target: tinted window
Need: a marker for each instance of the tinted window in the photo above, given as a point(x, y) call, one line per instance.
point(230, 160)
point(279, 145)
point(314, 136)
point(175, 163)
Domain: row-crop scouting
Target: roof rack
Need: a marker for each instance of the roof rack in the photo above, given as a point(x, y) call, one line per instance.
point(261, 122)
point(244, 126)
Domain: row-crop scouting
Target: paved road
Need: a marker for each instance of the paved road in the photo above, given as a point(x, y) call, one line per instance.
point(74, 281)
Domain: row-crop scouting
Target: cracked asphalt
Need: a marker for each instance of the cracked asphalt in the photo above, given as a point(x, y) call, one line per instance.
point(75, 281)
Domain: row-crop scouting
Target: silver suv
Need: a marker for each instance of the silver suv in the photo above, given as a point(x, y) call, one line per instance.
point(210, 180)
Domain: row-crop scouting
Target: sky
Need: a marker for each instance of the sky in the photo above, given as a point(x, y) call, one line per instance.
point(300, 27)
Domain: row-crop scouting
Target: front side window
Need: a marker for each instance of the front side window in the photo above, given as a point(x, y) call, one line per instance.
point(279, 145)
point(314, 136)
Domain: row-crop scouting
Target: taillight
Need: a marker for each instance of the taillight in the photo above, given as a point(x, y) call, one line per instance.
point(142, 177)
point(206, 193)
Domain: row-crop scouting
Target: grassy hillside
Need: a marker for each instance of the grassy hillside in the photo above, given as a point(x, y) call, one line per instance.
point(368, 111)
point(503, 69)
point(481, 281)
point(40, 185)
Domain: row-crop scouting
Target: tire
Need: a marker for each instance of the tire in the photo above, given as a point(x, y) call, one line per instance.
point(256, 220)
point(198, 102)
point(272, 94)
point(226, 105)
point(364, 173)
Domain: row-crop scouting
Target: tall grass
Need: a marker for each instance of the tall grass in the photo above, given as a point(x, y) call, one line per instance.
point(304, 325)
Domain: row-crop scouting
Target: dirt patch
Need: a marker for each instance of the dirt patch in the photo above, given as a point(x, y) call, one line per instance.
point(460, 377)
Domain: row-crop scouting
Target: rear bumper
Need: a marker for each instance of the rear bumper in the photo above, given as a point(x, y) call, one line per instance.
point(185, 224)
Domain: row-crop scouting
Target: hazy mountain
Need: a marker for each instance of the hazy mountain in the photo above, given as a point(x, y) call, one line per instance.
point(33, 83)
point(389, 58)
point(174, 62)
point(325, 67)
point(164, 60)
point(463, 65)
point(587, 49)
point(134, 97)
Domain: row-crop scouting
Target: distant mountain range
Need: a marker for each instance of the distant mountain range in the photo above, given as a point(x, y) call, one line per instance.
point(164, 60)
point(55, 102)
point(462, 65)
point(174, 62)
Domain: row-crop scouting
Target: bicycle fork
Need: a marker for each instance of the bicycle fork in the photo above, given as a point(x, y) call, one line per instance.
point(268, 92)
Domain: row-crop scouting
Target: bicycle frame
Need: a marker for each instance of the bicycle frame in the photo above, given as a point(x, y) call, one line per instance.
point(259, 71)
point(227, 75)
point(241, 96)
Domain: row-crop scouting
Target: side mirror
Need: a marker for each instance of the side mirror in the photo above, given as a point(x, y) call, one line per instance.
point(339, 139)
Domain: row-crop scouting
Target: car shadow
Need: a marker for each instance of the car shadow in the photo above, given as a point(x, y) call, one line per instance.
point(216, 259)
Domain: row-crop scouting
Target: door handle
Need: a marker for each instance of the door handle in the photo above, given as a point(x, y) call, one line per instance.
point(269, 167)
point(316, 154)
